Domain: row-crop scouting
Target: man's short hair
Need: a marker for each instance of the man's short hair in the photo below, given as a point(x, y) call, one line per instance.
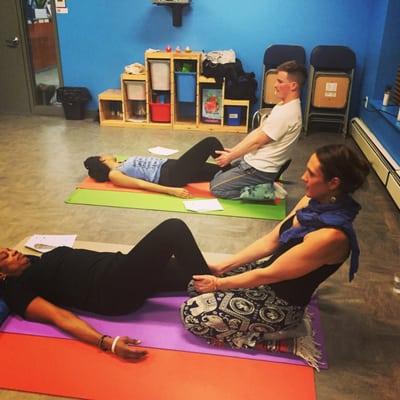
point(295, 71)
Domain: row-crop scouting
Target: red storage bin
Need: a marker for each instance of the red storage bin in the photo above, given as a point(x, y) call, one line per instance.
point(160, 112)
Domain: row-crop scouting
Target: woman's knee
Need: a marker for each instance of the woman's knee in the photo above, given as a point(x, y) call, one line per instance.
point(212, 142)
point(173, 225)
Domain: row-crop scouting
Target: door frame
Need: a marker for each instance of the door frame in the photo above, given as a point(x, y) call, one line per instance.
point(38, 109)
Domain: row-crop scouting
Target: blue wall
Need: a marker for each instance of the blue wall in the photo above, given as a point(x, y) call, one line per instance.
point(382, 60)
point(98, 38)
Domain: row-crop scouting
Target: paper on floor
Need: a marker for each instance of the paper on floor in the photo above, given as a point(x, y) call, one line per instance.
point(45, 243)
point(162, 151)
point(203, 205)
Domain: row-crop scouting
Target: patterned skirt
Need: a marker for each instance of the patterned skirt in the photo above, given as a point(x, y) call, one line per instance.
point(239, 318)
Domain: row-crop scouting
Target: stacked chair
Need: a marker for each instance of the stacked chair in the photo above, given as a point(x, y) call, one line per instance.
point(329, 86)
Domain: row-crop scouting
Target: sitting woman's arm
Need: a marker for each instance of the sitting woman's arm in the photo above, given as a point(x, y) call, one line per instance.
point(325, 246)
point(261, 248)
point(120, 179)
point(41, 310)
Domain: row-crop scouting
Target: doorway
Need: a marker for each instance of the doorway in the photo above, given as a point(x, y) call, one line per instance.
point(29, 48)
point(42, 42)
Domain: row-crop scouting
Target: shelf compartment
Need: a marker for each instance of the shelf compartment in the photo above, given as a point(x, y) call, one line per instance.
point(135, 111)
point(110, 106)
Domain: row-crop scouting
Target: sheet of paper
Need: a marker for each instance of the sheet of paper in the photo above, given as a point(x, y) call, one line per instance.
point(45, 243)
point(203, 205)
point(162, 151)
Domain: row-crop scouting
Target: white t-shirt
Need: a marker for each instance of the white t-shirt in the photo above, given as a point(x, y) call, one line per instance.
point(283, 126)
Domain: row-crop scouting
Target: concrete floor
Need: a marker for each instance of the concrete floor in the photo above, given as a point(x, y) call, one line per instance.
point(41, 162)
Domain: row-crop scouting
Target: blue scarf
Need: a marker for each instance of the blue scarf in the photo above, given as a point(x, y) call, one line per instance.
point(338, 215)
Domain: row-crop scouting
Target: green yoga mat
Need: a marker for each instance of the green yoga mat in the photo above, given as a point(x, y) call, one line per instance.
point(161, 202)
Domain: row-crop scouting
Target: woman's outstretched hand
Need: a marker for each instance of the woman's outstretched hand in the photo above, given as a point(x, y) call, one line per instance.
point(205, 283)
point(124, 349)
point(180, 192)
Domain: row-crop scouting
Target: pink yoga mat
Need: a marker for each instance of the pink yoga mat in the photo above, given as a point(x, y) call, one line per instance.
point(157, 324)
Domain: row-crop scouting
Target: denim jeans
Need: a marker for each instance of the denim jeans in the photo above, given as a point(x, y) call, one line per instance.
point(228, 184)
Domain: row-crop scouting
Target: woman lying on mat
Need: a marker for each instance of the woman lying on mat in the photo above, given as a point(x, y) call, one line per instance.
point(39, 289)
point(246, 298)
point(157, 174)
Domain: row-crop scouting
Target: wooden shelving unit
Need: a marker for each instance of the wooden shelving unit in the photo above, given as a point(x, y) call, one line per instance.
point(139, 101)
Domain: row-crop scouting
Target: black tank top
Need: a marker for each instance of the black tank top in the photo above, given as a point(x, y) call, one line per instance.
point(298, 291)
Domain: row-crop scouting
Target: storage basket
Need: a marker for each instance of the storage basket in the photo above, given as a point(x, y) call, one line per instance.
point(233, 115)
point(136, 90)
point(160, 112)
point(160, 77)
point(186, 86)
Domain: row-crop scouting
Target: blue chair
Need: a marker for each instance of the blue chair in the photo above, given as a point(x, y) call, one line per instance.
point(329, 86)
point(274, 56)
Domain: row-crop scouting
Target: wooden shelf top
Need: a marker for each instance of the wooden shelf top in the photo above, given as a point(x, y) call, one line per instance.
point(111, 94)
point(182, 55)
point(133, 77)
point(232, 102)
point(204, 79)
point(158, 54)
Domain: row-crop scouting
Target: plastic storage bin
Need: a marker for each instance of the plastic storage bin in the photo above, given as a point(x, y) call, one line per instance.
point(186, 86)
point(136, 90)
point(160, 78)
point(160, 112)
point(74, 101)
point(233, 115)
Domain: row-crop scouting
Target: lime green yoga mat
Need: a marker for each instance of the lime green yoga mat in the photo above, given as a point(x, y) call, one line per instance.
point(161, 202)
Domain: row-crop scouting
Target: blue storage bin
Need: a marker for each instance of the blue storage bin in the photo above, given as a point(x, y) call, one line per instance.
point(233, 115)
point(186, 86)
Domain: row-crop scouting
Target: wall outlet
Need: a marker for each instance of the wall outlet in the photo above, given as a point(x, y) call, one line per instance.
point(366, 102)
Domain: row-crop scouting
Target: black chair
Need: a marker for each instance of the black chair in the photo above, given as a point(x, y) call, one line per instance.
point(329, 86)
point(274, 56)
point(282, 169)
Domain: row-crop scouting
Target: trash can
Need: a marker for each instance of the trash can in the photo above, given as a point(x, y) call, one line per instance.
point(74, 100)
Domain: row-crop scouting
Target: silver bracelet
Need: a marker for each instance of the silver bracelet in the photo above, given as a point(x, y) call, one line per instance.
point(114, 343)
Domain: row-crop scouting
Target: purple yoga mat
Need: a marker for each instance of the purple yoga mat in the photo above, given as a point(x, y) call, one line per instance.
point(157, 324)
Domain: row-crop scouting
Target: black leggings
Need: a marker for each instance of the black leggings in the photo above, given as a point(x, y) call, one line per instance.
point(192, 166)
point(163, 261)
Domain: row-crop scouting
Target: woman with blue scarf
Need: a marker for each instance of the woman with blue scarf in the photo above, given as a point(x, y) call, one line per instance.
point(246, 298)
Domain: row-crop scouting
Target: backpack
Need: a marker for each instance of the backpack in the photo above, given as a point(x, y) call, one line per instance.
point(238, 84)
point(245, 88)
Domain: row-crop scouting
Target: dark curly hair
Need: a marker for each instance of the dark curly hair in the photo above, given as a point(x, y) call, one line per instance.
point(97, 169)
point(338, 160)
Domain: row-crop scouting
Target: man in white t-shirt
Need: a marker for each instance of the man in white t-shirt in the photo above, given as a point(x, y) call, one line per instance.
point(258, 157)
